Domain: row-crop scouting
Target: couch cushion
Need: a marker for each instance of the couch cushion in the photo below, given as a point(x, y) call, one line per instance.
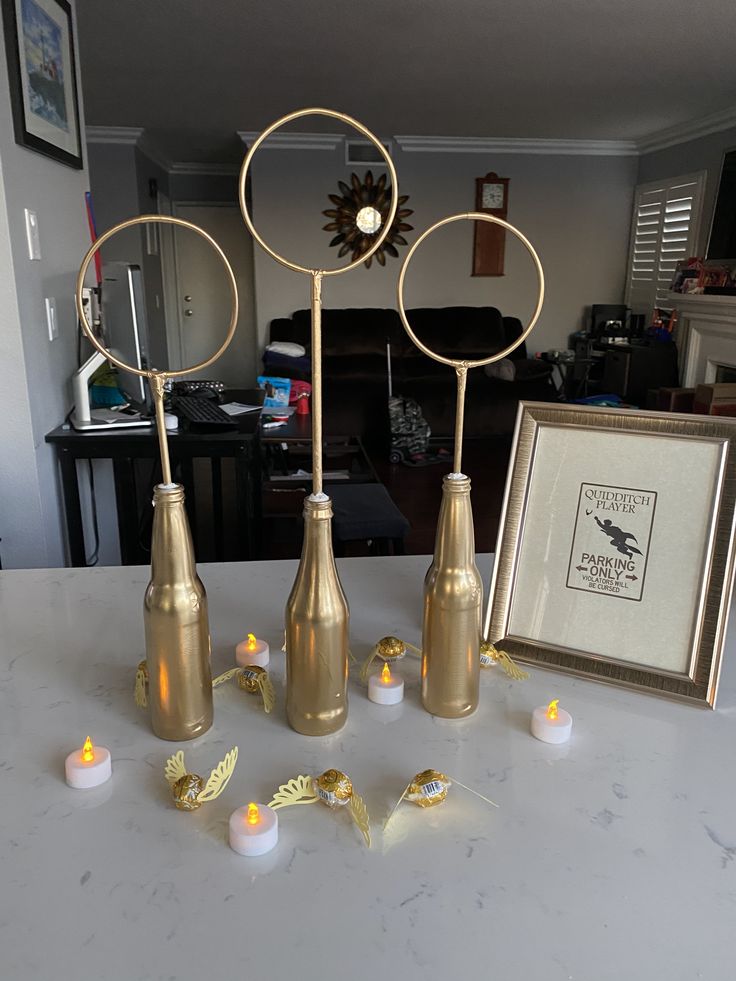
point(457, 332)
point(361, 330)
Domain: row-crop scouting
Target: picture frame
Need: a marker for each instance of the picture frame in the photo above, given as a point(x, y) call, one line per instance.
point(615, 555)
point(39, 40)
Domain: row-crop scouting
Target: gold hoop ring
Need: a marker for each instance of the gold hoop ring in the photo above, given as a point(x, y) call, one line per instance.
point(147, 220)
point(332, 114)
point(456, 362)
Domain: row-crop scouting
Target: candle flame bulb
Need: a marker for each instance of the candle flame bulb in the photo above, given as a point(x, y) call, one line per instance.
point(253, 815)
point(552, 708)
point(385, 675)
point(88, 753)
point(251, 642)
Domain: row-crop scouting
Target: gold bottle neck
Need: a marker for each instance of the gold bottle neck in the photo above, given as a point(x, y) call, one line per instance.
point(172, 553)
point(455, 542)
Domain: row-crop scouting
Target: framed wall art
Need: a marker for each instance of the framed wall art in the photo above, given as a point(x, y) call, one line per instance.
point(42, 77)
point(615, 557)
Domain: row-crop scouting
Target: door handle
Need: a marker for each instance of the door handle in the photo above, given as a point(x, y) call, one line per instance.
point(188, 313)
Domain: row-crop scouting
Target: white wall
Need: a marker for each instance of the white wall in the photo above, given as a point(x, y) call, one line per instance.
point(30, 517)
point(576, 210)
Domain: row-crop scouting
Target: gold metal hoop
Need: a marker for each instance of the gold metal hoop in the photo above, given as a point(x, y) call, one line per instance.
point(459, 362)
point(87, 327)
point(332, 114)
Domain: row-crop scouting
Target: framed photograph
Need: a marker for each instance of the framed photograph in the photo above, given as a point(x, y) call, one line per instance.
point(615, 557)
point(43, 80)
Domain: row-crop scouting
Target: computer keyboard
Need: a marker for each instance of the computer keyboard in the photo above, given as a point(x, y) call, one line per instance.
point(202, 412)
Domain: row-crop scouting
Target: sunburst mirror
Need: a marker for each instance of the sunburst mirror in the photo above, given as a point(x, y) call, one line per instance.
point(359, 213)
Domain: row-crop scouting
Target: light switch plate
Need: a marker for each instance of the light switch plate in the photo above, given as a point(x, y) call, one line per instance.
point(51, 323)
point(32, 236)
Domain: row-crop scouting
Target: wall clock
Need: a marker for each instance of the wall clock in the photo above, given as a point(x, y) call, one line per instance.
point(489, 242)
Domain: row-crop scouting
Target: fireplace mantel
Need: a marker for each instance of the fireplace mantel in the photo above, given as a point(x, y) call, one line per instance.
point(706, 335)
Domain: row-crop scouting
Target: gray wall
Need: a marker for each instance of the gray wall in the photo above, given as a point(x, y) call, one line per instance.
point(30, 516)
point(705, 153)
point(576, 210)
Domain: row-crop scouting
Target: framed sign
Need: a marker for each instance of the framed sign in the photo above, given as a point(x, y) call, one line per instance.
point(42, 77)
point(615, 557)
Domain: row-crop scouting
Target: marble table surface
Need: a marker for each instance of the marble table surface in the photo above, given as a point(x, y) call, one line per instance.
point(611, 857)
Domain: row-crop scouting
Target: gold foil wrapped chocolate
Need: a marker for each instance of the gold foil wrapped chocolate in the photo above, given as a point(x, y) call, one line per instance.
point(189, 790)
point(490, 656)
point(254, 680)
point(388, 649)
point(428, 788)
point(333, 788)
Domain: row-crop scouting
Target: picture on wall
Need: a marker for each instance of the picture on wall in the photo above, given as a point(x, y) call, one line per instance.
point(615, 557)
point(42, 77)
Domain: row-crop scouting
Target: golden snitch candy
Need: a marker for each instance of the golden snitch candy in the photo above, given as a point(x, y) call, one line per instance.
point(189, 790)
point(490, 656)
point(429, 788)
point(254, 680)
point(333, 788)
point(389, 649)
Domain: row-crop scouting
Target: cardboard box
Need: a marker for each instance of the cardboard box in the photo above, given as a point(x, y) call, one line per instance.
point(716, 399)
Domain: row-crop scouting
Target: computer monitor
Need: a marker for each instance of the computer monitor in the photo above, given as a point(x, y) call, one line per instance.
point(608, 319)
point(124, 326)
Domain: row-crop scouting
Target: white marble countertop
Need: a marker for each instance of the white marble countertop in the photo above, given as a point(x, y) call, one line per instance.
point(612, 857)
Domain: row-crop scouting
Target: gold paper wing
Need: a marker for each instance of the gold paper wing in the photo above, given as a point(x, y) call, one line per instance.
point(510, 667)
point(219, 777)
point(299, 790)
point(225, 676)
point(413, 648)
point(141, 699)
point(359, 814)
point(175, 768)
point(367, 664)
point(283, 647)
point(267, 692)
point(396, 807)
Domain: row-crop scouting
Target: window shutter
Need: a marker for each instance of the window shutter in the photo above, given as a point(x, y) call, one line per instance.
point(663, 232)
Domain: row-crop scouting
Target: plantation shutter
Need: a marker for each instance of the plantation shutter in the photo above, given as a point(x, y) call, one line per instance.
point(664, 231)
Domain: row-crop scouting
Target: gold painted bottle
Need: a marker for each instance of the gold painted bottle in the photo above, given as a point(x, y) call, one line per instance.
point(177, 626)
point(317, 621)
point(453, 599)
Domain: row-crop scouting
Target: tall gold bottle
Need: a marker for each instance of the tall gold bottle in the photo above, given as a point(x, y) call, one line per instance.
point(177, 627)
point(453, 599)
point(317, 619)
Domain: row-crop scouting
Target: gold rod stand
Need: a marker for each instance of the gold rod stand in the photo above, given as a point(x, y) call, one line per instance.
point(462, 378)
point(316, 382)
point(157, 381)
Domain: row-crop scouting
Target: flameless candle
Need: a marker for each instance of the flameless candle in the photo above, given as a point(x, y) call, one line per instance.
point(252, 651)
point(551, 724)
point(254, 830)
point(386, 688)
point(88, 767)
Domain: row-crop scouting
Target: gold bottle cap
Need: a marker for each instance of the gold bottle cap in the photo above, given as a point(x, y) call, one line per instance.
point(249, 678)
point(390, 648)
point(334, 788)
point(186, 792)
point(428, 788)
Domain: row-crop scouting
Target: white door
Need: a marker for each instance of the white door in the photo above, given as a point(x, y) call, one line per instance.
point(203, 299)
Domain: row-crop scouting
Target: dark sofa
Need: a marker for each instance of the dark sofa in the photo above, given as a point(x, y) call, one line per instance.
point(355, 378)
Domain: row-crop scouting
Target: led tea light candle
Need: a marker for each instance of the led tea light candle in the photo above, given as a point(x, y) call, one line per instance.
point(386, 688)
point(254, 830)
point(551, 724)
point(88, 767)
point(252, 651)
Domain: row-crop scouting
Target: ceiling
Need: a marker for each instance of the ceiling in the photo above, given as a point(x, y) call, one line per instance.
point(196, 72)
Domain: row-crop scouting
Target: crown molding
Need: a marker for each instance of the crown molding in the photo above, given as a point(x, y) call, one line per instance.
point(496, 144)
point(295, 141)
point(204, 169)
point(694, 129)
point(123, 135)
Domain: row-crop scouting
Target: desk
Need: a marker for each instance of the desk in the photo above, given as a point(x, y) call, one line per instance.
point(126, 446)
point(611, 857)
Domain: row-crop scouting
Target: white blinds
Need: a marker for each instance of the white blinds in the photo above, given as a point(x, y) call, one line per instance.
point(664, 231)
